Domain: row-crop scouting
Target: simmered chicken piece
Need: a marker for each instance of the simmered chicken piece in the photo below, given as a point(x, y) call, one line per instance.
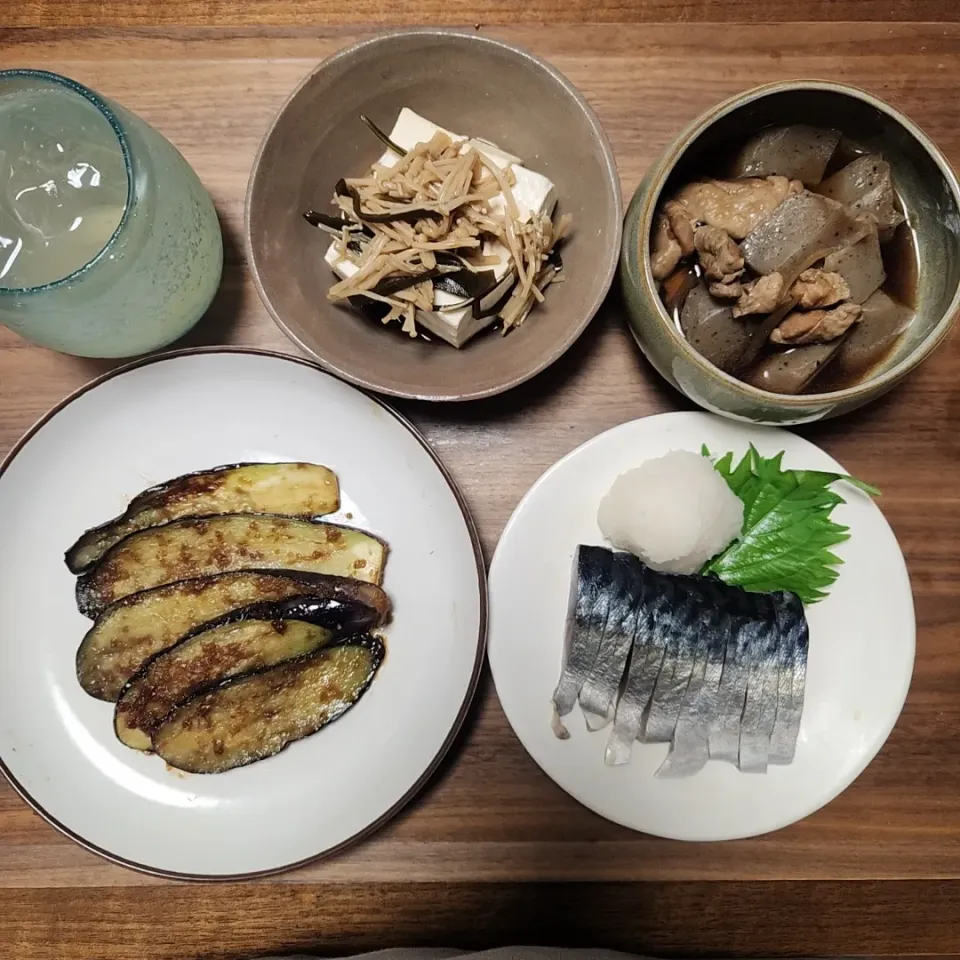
point(726, 291)
point(819, 288)
point(760, 296)
point(720, 257)
point(816, 326)
point(736, 206)
point(682, 224)
point(665, 252)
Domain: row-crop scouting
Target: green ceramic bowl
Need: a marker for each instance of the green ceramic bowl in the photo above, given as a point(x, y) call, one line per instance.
point(925, 181)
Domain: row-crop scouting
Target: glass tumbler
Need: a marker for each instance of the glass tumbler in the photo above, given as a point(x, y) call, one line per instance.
point(161, 256)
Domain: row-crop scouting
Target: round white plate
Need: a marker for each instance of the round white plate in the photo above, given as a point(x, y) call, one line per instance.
point(861, 645)
point(172, 415)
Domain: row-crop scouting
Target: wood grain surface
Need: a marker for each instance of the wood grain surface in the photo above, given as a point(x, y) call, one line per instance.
point(470, 862)
point(222, 13)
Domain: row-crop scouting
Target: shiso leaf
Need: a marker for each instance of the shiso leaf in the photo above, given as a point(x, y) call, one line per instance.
point(787, 531)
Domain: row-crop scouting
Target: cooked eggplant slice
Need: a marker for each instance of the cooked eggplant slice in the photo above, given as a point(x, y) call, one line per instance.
point(205, 546)
point(288, 489)
point(257, 636)
point(258, 715)
point(132, 630)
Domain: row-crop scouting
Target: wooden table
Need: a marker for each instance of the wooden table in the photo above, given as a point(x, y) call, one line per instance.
point(474, 860)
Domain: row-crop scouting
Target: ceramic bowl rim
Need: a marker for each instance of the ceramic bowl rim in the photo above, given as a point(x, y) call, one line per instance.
point(612, 238)
point(640, 216)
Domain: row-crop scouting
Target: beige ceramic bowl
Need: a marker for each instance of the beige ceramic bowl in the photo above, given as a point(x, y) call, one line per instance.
point(477, 87)
point(925, 181)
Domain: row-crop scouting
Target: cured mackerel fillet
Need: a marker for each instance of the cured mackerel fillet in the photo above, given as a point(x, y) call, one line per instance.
point(689, 748)
point(716, 671)
point(649, 646)
point(724, 732)
point(586, 619)
point(598, 696)
point(793, 676)
point(680, 621)
point(290, 489)
point(206, 546)
point(760, 703)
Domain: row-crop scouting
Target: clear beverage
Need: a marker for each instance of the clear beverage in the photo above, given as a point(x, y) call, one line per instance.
point(109, 244)
point(63, 185)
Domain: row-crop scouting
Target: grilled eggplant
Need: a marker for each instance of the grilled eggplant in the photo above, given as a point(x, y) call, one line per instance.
point(257, 636)
point(132, 630)
point(288, 489)
point(256, 716)
point(205, 546)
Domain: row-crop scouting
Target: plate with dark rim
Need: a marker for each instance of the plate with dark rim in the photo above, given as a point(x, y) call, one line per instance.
point(163, 417)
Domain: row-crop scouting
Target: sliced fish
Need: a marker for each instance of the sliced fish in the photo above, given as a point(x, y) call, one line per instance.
point(649, 645)
point(760, 703)
point(747, 626)
point(679, 621)
point(598, 695)
point(786, 727)
point(714, 670)
point(587, 614)
point(689, 748)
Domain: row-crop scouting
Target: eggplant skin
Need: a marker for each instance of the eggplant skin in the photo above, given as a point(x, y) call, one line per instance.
point(255, 716)
point(288, 489)
point(257, 636)
point(206, 546)
point(139, 626)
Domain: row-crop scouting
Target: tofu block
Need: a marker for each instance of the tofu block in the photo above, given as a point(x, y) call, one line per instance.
point(534, 194)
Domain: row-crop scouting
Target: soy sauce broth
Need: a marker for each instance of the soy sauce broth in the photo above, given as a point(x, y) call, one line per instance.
point(901, 262)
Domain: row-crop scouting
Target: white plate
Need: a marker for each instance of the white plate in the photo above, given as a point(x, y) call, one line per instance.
point(862, 641)
point(163, 418)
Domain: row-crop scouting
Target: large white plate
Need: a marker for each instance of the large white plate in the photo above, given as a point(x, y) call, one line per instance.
point(862, 640)
point(164, 418)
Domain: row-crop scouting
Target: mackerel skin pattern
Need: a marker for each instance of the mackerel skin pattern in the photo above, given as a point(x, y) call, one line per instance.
point(715, 671)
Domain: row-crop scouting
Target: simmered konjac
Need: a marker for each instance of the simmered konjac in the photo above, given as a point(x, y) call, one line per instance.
point(777, 274)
